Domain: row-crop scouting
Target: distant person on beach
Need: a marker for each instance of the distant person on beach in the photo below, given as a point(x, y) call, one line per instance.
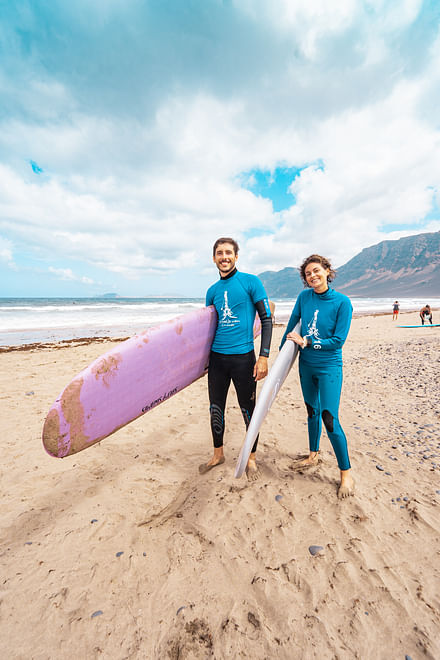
point(236, 297)
point(426, 314)
point(325, 321)
point(395, 310)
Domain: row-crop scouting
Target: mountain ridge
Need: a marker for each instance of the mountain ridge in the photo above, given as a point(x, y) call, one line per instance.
point(403, 267)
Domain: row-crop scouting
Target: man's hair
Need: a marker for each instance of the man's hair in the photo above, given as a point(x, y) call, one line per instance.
point(224, 239)
point(316, 259)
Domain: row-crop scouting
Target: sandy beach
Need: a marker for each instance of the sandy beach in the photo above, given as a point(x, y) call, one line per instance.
point(125, 551)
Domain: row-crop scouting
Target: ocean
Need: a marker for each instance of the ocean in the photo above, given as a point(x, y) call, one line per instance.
point(30, 320)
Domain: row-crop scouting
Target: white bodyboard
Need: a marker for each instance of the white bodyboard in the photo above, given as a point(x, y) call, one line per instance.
point(271, 386)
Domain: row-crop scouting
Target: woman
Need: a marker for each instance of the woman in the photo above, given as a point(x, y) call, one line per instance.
point(325, 321)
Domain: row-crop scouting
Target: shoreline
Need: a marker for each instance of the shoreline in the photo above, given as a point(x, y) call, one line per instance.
point(102, 339)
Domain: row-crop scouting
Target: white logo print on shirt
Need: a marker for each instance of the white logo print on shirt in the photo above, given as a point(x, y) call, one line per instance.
point(228, 317)
point(313, 330)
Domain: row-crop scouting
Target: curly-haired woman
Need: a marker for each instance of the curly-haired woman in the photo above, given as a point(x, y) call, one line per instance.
point(325, 321)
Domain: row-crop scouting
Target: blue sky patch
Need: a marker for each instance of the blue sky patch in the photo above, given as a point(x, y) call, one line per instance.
point(36, 168)
point(274, 184)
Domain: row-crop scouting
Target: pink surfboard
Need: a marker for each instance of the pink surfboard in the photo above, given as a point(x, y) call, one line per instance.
point(129, 380)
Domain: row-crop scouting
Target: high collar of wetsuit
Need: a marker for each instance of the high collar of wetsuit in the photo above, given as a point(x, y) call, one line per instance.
point(229, 275)
point(324, 294)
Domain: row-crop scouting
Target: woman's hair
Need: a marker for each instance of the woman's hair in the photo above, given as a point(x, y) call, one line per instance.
point(219, 241)
point(316, 259)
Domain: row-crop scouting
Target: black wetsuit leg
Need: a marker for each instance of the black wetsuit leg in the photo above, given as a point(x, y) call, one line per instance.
point(223, 369)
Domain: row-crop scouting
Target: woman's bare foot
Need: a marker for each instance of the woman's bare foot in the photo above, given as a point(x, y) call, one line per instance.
point(310, 461)
point(346, 488)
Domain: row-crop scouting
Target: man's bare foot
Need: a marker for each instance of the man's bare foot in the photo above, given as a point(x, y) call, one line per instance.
point(346, 489)
point(310, 461)
point(215, 460)
point(252, 470)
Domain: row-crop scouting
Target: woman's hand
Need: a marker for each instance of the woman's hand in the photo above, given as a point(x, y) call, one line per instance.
point(294, 336)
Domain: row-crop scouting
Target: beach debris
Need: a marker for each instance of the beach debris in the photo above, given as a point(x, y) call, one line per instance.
point(182, 607)
point(315, 549)
point(144, 554)
point(379, 467)
point(28, 543)
point(278, 497)
point(30, 393)
point(118, 554)
point(93, 520)
point(253, 620)
point(97, 613)
point(388, 473)
point(408, 657)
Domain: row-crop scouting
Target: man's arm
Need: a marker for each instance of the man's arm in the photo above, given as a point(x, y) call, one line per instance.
point(264, 312)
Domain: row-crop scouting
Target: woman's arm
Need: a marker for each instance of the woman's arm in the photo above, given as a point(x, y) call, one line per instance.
point(294, 318)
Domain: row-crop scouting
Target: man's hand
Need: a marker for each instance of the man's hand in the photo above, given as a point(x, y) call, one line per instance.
point(260, 369)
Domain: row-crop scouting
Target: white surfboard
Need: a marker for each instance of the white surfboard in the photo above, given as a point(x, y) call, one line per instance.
point(271, 386)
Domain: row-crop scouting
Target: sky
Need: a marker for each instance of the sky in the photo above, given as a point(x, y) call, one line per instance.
point(134, 133)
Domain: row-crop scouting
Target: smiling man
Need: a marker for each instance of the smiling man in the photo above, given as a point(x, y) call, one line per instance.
point(236, 297)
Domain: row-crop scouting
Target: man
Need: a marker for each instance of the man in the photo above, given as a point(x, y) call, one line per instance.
point(236, 297)
point(425, 314)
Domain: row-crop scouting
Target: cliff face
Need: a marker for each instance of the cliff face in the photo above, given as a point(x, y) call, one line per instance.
point(406, 267)
point(285, 283)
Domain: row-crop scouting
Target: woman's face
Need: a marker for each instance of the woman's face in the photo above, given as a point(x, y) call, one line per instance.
point(316, 277)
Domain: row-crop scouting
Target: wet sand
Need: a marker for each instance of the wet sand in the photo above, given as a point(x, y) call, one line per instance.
point(125, 551)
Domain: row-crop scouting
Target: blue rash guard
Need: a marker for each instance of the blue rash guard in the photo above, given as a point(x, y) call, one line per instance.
point(235, 298)
point(325, 321)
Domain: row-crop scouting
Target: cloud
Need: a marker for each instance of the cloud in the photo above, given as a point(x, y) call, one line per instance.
point(6, 254)
point(69, 275)
point(148, 120)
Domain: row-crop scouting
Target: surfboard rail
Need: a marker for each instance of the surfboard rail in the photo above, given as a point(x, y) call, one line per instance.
point(271, 386)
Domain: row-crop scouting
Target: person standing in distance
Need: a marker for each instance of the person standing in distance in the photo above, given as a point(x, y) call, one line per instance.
point(236, 297)
point(395, 310)
point(325, 321)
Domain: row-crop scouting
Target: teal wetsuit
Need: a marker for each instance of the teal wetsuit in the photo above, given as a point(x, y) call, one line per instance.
point(236, 298)
point(325, 321)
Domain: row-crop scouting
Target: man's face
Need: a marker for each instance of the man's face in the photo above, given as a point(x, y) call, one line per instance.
point(225, 258)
